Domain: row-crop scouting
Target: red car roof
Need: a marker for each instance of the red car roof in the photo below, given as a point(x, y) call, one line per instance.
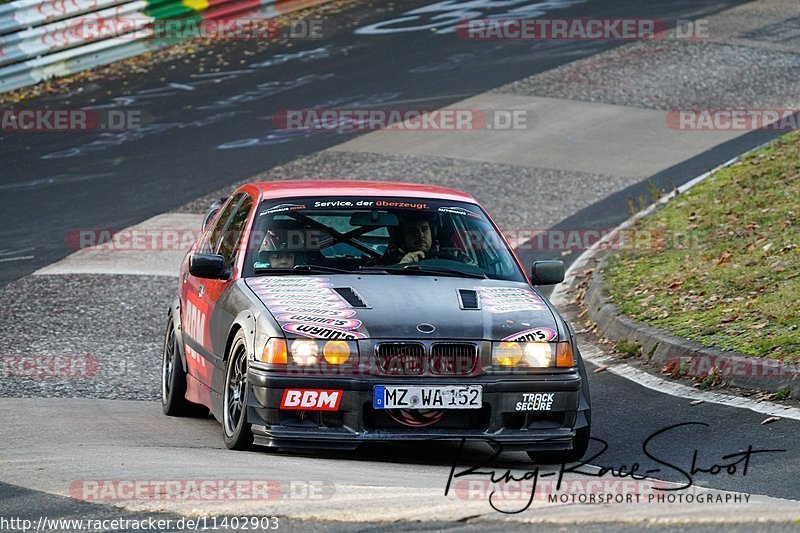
point(293, 188)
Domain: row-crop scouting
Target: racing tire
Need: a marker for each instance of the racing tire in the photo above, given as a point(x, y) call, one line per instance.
point(236, 431)
point(580, 443)
point(173, 380)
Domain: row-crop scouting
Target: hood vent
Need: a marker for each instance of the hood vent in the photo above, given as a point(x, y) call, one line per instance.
point(351, 297)
point(468, 299)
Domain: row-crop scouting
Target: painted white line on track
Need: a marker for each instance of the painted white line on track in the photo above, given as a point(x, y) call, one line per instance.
point(593, 353)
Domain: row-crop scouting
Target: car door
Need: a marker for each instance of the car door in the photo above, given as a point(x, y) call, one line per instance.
point(229, 247)
point(199, 302)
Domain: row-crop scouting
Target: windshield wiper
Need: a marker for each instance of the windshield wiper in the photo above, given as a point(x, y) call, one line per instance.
point(425, 269)
point(445, 271)
point(305, 269)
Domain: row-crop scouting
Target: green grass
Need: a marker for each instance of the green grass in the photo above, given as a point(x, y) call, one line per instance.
point(781, 394)
point(628, 349)
point(724, 264)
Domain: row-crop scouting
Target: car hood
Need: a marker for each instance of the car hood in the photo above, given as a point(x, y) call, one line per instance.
point(404, 307)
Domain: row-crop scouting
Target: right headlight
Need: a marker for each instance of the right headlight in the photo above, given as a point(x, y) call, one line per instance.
point(532, 354)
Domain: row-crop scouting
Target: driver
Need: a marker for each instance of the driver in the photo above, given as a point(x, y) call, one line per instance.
point(417, 242)
point(275, 252)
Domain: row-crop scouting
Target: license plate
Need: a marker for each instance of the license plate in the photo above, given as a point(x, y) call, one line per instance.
point(418, 397)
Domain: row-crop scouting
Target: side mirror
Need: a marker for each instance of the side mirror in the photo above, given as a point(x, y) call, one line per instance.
point(550, 272)
point(208, 266)
point(212, 211)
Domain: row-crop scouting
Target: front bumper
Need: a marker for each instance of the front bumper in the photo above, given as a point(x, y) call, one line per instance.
point(355, 422)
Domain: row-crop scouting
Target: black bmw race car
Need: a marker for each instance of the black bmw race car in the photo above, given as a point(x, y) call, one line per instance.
point(316, 314)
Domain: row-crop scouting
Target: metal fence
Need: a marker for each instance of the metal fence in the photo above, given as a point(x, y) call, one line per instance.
point(41, 40)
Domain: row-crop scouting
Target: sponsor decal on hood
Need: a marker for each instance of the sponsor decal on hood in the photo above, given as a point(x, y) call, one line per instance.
point(308, 307)
point(321, 332)
point(510, 310)
point(319, 311)
point(510, 299)
point(342, 323)
point(532, 335)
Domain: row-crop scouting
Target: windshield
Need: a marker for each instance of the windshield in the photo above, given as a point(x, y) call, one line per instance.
point(393, 235)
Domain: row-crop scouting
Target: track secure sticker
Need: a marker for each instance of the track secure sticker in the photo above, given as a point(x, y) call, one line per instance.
point(532, 335)
point(539, 401)
point(311, 399)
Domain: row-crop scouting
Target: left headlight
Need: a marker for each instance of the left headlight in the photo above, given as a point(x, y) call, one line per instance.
point(307, 353)
point(532, 354)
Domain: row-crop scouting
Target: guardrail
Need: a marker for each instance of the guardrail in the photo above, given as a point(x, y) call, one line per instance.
point(41, 40)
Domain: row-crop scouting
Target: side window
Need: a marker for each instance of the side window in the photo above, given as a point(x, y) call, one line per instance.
point(212, 244)
point(233, 232)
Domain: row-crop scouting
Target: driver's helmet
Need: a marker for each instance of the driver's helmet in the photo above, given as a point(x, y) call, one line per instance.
point(284, 239)
point(275, 241)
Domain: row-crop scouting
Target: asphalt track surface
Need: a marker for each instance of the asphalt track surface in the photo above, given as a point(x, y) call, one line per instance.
point(55, 182)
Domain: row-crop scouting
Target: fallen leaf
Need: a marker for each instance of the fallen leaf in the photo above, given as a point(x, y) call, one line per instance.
point(724, 258)
point(600, 369)
point(766, 247)
point(696, 402)
point(770, 420)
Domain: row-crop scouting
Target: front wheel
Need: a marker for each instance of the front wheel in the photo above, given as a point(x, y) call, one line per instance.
point(237, 431)
point(580, 443)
